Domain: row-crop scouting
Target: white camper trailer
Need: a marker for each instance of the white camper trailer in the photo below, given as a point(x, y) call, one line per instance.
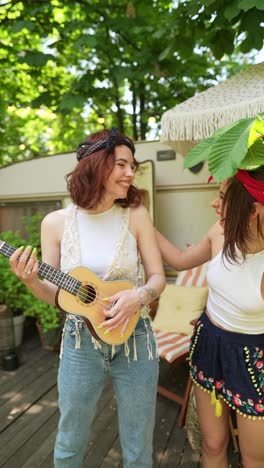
point(180, 199)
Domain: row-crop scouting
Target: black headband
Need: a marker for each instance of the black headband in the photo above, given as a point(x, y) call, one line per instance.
point(114, 139)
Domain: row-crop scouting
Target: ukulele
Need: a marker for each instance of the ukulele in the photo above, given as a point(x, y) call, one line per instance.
point(81, 293)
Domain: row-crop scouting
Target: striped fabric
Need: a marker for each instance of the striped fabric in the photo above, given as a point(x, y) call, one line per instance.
point(171, 346)
point(193, 277)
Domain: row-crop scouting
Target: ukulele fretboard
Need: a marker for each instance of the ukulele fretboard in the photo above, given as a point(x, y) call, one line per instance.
point(55, 276)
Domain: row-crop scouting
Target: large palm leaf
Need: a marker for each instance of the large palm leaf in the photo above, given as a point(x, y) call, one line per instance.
point(238, 145)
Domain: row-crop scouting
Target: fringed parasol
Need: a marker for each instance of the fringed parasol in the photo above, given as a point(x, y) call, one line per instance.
point(238, 97)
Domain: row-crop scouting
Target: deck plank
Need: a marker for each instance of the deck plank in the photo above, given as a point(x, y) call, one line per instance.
point(113, 458)
point(24, 427)
point(166, 418)
point(44, 453)
point(28, 395)
point(30, 448)
point(29, 416)
point(28, 356)
point(104, 434)
point(174, 449)
point(26, 375)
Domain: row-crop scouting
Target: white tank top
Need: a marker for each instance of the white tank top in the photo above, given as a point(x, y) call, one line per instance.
point(234, 298)
point(98, 236)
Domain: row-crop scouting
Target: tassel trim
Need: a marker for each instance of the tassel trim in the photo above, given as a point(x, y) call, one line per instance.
point(216, 402)
point(181, 125)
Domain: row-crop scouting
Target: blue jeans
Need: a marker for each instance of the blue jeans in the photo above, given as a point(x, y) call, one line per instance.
point(82, 373)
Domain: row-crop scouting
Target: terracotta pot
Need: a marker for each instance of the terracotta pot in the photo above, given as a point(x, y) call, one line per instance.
point(7, 340)
point(51, 339)
point(18, 322)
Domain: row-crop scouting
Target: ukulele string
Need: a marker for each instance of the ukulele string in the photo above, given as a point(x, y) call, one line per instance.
point(96, 299)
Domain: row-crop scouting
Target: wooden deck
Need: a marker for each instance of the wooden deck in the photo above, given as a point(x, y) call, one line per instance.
point(29, 417)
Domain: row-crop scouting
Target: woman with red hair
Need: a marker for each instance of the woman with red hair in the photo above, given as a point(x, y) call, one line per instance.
point(227, 350)
point(108, 230)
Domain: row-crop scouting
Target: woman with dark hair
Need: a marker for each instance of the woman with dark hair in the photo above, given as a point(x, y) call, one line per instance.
point(107, 230)
point(227, 350)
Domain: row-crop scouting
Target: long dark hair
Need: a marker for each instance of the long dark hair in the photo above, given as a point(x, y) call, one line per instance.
point(238, 205)
point(86, 182)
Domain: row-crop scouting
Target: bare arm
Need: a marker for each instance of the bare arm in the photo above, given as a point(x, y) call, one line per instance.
point(151, 257)
point(191, 256)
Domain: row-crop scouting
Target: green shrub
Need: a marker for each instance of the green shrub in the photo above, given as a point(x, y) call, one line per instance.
point(13, 292)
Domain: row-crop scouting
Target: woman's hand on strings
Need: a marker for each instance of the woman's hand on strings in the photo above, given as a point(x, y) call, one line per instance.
point(119, 308)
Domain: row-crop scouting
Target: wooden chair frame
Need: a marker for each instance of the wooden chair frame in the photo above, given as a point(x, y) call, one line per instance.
point(173, 396)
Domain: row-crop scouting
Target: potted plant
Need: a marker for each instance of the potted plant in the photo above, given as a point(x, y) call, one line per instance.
point(13, 293)
point(49, 320)
point(19, 299)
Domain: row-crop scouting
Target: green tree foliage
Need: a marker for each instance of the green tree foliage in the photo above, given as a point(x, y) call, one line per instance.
point(227, 23)
point(65, 63)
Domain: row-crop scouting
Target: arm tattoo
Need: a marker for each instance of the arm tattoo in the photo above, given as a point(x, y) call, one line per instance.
point(146, 291)
point(151, 292)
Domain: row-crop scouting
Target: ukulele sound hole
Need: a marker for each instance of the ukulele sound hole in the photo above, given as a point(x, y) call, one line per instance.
point(87, 294)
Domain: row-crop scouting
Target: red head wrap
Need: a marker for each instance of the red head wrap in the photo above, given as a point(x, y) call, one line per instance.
point(253, 186)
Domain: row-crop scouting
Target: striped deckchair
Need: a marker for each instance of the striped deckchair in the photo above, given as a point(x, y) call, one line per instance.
point(174, 347)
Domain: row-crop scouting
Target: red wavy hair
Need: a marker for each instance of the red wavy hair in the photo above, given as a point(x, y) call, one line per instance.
point(86, 182)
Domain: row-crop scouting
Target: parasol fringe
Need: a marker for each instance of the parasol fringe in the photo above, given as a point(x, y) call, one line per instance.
point(198, 125)
point(238, 97)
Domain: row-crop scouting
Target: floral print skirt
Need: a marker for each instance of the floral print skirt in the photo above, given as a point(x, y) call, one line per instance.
point(231, 365)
